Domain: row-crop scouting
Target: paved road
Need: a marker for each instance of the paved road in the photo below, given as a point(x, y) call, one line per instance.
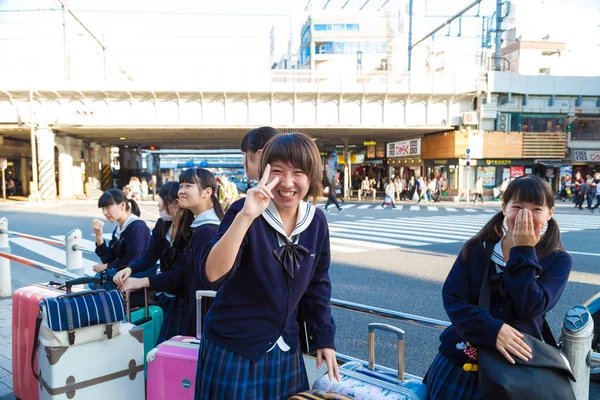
point(390, 258)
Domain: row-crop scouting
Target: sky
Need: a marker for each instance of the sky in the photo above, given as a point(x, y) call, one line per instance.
point(198, 39)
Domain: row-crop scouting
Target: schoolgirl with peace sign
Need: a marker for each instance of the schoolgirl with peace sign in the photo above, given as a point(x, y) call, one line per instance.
point(271, 257)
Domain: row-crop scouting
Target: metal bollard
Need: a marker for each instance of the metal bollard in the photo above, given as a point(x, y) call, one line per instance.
point(577, 334)
point(5, 279)
point(74, 255)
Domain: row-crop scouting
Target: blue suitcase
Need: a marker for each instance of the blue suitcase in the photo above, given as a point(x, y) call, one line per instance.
point(358, 381)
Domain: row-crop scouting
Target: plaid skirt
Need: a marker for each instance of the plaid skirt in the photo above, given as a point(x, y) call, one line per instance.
point(175, 322)
point(447, 380)
point(225, 375)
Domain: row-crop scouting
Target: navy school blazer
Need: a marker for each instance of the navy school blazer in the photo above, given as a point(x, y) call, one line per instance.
point(258, 302)
point(119, 253)
point(531, 288)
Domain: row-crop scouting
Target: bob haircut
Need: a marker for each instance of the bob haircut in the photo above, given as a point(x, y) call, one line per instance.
point(525, 189)
point(257, 138)
point(299, 150)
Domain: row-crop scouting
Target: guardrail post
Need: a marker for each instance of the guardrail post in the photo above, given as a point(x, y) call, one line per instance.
point(577, 334)
point(5, 279)
point(74, 255)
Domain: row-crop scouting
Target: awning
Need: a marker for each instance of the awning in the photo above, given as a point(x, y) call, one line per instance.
point(551, 163)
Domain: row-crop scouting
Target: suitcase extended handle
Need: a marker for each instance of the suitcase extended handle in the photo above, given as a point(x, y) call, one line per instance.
point(82, 281)
point(147, 316)
point(199, 295)
point(392, 329)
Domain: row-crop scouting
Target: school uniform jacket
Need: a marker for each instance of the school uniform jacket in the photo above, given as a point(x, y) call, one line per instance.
point(171, 259)
point(127, 244)
point(522, 293)
point(257, 303)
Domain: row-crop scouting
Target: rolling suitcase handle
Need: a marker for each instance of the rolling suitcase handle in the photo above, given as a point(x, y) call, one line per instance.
point(392, 329)
point(147, 316)
point(199, 295)
point(81, 281)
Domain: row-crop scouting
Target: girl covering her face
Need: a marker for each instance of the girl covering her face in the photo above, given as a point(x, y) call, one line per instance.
point(528, 271)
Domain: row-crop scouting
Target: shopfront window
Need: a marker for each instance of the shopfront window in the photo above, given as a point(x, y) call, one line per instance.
point(488, 175)
point(586, 129)
point(537, 123)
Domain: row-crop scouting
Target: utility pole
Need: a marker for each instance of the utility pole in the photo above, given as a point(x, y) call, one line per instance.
point(410, 45)
point(67, 56)
point(499, 18)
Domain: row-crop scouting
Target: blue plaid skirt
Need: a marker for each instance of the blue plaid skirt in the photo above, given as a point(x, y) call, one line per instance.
point(175, 321)
point(447, 380)
point(225, 375)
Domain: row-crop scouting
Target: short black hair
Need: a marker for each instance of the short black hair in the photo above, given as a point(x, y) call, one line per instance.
point(257, 138)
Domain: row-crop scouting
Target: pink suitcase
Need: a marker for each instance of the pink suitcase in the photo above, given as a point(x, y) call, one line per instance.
point(24, 313)
point(172, 364)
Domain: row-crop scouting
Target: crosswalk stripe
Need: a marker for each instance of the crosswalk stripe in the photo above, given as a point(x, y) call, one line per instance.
point(345, 249)
point(383, 239)
point(346, 206)
point(415, 208)
point(470, 210)
point(377, 232)
point(438, 224)
point(363, 207)
point(398, 208)
point(372, 245)
point(490, 211)
point(451, 209)
point(428, 227)
point(414, 232)
point(432, 208)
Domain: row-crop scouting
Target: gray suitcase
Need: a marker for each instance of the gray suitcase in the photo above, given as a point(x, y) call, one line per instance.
point(361, 382)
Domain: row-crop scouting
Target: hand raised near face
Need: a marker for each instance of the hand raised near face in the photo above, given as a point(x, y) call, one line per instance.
point(258, 198)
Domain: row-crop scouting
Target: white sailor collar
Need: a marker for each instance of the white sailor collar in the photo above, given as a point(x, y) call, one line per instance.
point(306, 213)
point(132, 217)
point(206, 217)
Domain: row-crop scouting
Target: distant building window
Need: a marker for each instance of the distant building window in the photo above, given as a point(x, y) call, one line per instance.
point(322, 27)
point(336, 27)
point(351, 47)
point(544, 71)
point(586, 129)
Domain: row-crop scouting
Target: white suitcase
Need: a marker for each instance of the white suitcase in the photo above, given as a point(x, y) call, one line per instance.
point(110, 368)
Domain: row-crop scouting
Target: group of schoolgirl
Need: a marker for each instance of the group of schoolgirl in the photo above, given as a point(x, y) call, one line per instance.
point(268, 256)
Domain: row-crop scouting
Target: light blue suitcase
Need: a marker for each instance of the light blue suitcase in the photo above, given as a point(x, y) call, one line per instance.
point(361, 382)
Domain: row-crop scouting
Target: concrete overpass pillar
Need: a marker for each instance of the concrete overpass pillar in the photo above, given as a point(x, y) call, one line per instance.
point(24, 176)
point(347, 170)
point(106, 173)
point(46, 162)
point(70, 178)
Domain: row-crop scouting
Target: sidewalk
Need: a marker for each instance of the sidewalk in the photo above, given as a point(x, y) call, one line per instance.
point(6, 350)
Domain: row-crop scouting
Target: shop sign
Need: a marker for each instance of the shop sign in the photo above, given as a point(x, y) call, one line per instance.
point(440, 162)
point(517, 171)
point(498, 162)
point(404, 148)
point(586, 155)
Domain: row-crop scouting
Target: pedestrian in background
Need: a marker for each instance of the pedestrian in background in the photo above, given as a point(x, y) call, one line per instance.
point(528, 273)
point(478, 190)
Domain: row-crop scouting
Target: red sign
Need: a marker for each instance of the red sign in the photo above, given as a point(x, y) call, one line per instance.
point(4, 163)
point(517, 171)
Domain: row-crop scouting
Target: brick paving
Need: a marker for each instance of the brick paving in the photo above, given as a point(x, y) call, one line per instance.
point(6, 350)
